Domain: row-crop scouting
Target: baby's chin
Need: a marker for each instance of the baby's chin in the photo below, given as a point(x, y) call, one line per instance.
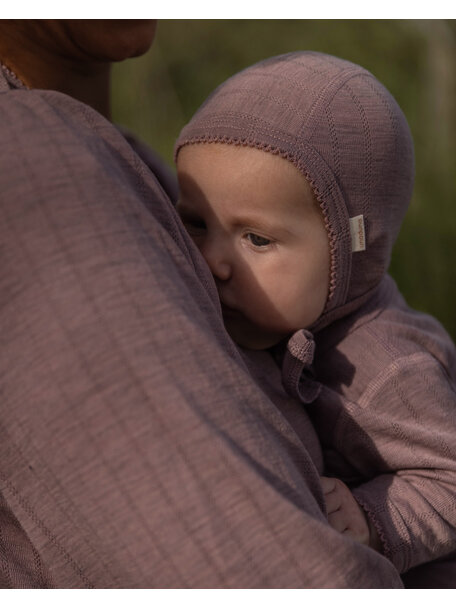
point(253, 338)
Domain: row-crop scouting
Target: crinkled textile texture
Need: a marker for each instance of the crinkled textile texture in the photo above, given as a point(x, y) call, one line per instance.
point(135, 448)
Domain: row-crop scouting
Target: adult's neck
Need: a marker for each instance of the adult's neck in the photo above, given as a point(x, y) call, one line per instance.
point(45, 67)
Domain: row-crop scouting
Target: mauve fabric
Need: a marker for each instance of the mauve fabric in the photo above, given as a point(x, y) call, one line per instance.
point(135, 448)
point(386, 416)
point(377, 378)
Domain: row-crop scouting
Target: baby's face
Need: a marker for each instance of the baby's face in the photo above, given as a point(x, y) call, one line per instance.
point(254, 218)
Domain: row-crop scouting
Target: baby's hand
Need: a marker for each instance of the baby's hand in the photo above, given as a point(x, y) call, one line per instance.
point(344, 513)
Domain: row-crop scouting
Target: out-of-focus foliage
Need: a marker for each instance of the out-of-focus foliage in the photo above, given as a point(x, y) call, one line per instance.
point(156, 94)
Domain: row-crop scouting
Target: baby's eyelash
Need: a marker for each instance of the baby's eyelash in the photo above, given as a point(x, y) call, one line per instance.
point(193, 225)
point(258, 241)
point(189, 219)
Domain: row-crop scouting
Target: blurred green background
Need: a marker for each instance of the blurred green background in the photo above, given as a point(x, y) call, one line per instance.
point(416, 59)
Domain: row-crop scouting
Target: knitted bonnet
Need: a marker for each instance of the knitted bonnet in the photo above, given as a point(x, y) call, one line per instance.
point(345, 132)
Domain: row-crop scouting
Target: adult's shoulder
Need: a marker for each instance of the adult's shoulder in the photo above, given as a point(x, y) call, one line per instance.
point(49, 139)
point(44, 128)
point(34, 121)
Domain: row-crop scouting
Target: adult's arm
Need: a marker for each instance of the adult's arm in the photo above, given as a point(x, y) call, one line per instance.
point(135, 450)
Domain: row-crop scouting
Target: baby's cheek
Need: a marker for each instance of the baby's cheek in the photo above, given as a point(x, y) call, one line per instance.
point(267, 295)
point(278, 313)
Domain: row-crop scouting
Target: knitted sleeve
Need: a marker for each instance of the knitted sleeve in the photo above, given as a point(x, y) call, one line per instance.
point(404, 427)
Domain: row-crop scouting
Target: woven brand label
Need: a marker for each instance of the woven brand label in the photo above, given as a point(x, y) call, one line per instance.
point(358, 236)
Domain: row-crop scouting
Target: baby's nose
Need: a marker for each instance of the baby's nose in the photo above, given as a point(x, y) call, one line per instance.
point(218, 259)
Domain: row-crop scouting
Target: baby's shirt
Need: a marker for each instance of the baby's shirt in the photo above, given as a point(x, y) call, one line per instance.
point(381, 393)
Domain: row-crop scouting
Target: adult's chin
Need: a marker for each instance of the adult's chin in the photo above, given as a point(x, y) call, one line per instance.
point(111, 39)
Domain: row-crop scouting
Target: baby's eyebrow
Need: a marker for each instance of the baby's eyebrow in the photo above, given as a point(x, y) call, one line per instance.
point(262, 223)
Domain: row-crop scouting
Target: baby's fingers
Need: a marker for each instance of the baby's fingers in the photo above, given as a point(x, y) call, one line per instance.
point(332, 493)
point(337, 520)
point(328, 484)
point(333, 501)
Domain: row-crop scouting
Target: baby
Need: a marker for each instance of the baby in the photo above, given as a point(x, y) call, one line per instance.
point(294, 178)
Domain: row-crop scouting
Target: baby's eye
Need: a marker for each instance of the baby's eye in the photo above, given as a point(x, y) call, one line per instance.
point(194, 225)
point(257, 241)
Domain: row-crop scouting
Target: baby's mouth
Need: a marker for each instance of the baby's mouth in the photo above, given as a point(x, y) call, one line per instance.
point(227, 311)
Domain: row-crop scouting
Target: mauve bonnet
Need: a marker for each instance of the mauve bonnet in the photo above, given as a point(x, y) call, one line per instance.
point(345, 132)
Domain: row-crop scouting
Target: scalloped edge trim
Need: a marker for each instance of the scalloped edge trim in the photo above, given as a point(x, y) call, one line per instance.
point(376, 524)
